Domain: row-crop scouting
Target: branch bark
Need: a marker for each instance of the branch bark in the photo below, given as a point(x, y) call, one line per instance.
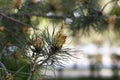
point(42, 15)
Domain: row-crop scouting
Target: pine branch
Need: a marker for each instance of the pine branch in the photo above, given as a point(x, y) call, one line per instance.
point(52, 16)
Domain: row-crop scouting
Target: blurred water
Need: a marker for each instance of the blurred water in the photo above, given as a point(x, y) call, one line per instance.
point(80, 73)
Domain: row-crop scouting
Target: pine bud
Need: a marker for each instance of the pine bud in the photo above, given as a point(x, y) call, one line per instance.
point(59, 38)
point(34, 1)
point(9, 77)
point(111, 19)
point(38, 43)
point(25, 29)
point(16, 55)
point(2, 28)
point(18, 3)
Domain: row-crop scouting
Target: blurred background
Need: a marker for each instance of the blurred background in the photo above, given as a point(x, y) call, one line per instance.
point(97, 52)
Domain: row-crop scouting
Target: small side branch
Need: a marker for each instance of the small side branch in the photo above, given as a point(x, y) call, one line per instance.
point(108, 4)
point(35, 66)
point(4, 68)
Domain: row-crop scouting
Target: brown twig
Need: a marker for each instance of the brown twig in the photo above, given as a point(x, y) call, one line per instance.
point(35, 66)
point(15, 20)
point(107, 5)
point(31, 72)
